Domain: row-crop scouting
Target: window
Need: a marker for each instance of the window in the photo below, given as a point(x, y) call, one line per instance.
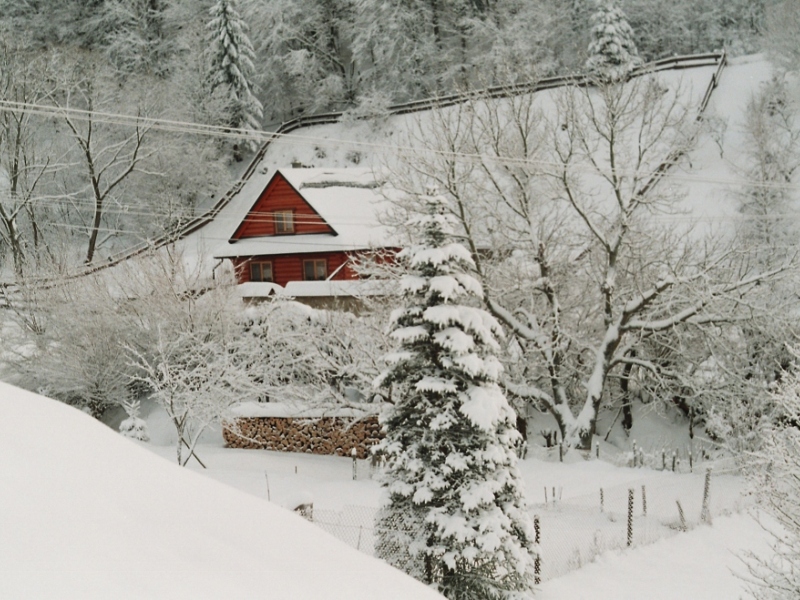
point(284, 221)
point(260, 271)
point(315, 270)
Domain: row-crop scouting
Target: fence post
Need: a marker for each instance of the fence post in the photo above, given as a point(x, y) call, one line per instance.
point(602, 501)
point(354, 454)
point(691, 462)
point(635, 456)
point(630, 517)
point(705, 515)
point(681, 515)
point(674, 459)
point(663, 459)
point(545, 495)
point(537, 562)
point(644, 502)
point(597, 450)
point(561, 451)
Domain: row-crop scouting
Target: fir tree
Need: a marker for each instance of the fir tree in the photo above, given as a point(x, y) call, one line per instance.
point(455, 514)
point(230, 58)
point(612, 51)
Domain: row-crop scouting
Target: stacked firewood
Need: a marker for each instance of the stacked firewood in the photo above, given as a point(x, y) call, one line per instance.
point(326, 435)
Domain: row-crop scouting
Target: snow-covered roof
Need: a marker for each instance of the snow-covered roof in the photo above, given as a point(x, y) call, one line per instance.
point(349, 200)
point(314, 289)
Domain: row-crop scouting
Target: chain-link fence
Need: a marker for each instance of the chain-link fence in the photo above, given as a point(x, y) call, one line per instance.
point(576, 529)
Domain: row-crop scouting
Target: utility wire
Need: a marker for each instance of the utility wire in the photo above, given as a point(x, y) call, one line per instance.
point(294, 138)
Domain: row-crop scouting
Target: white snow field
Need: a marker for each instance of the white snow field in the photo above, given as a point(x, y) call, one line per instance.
point(584, 550)
point(703, 564)
point(86, 513)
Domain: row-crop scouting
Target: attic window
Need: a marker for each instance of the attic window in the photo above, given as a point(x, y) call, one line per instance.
point(284, 221)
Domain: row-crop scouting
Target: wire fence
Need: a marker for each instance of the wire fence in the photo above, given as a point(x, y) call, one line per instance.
point(577, 529)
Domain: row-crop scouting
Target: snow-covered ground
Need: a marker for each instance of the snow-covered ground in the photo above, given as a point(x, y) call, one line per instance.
point(86, 513)
point(702, 564)
point(584, 549)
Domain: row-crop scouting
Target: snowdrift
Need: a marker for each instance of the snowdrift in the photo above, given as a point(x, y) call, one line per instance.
point(86, 513)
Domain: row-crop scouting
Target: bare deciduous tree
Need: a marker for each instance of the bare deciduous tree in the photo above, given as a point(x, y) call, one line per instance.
point(586, 254)
point(108, 156)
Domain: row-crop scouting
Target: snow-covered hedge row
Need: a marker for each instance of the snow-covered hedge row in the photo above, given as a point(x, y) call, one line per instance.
point(325, 435)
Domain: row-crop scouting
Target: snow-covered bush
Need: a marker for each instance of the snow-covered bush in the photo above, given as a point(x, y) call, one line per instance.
point(372, 108)
point(134, 427)
point(299, 354)
point(777, 475)
point(455, 514)
point(612, 51)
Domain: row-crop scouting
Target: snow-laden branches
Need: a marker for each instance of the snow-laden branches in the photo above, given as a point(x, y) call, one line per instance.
point(575, 242)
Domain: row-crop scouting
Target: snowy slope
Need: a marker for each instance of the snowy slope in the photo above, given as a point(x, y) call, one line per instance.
point(703, 564)
point(85, 513)
point(708, 176)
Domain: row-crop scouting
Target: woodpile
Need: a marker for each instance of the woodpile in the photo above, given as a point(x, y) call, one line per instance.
point(326, 435)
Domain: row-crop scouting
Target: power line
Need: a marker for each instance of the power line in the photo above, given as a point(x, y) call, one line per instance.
point(263, 136)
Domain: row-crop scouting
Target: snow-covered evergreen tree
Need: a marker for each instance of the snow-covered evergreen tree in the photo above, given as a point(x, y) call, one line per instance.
point(230, 58)
point(612, 51)
point(455, 513)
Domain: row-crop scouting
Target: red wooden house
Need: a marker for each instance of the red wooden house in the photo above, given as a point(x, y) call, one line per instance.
point(304, 230)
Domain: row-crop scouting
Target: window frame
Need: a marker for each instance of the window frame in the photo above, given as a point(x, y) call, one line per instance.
point(315, 262)
point(284, 224)
point(260, 264)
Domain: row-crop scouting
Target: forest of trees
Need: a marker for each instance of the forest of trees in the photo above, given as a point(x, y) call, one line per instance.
point(77, 189)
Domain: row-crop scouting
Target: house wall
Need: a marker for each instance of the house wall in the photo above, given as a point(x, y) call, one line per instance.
point(288, 268)
point(280, 195)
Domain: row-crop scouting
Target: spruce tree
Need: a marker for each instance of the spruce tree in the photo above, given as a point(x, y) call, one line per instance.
point(230, 64)
point(454, 514)
point(612, 51)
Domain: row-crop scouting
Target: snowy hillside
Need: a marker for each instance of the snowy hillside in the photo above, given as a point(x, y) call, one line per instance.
point(583, 549)
point(712, 171)
point(86, 513)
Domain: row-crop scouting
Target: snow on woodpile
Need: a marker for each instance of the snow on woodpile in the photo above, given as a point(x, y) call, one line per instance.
point(86, 513)
point(302, 411)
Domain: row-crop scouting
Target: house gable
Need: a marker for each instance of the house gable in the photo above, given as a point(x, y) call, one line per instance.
point(268, 215)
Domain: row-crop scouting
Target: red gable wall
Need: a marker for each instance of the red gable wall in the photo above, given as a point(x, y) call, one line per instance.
point(277, 196)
